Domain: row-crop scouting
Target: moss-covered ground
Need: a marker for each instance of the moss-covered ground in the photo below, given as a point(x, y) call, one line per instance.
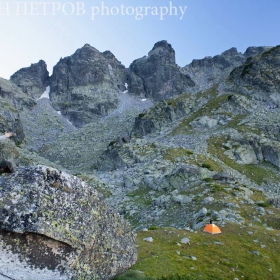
point(250, 252)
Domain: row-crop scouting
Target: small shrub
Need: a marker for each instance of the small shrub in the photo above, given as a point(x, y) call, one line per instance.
point(153, 228)
point(141, 115)
point(208, 180)
point(112, 143)
point(216, 188)
point(207, 165)
point(264, 204)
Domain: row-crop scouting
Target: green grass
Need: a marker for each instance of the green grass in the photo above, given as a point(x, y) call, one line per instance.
point(232, 259)
point(187, 156)
point(235, 123)
point(173, 102)
point(173, 154)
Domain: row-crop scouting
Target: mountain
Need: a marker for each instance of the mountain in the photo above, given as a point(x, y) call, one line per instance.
point(258, 77)
point(164, 146)
point(160, 77)
point(210, 71)
point(32, 80)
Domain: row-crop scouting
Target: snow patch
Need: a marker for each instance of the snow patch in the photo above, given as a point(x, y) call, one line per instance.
point(58, 112)
point(144, 99)
point(46, 93)
point(126, 91)
point(126, 85)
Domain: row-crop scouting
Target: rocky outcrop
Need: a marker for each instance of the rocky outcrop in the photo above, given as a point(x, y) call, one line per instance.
point(258, 77)
point(210, 71)
point(84, 86)
point(33, 79)
point(12, 101)
point(162, 114)
point(160, 77)
point(54, 226)
point(252, 149)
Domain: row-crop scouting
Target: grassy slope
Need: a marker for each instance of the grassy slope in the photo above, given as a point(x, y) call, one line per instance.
point(225, 256)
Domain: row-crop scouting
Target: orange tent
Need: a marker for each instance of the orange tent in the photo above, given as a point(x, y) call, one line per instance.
point(212, 228)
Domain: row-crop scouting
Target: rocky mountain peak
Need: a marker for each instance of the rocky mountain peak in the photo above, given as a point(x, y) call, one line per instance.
point(258, 77)
point(157, 75)
point(112, 59)
point(163, 49)
point(32, 80)
point(84, 86)
point(251, 51)
point(230, 52)
point(210, 71)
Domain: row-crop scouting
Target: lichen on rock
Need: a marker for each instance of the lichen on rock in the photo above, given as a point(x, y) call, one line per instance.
point(45, 212)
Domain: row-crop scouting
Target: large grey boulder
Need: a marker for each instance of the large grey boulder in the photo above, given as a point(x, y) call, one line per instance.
point(33, 79)
point(161, 77)
point(55, 226)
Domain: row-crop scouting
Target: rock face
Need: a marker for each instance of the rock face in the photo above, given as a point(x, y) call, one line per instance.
point(54, 226)
point(84, 86)
point(209, 71)
point(258, 77)
point(157, 75)
point(12, 100)
point(32, 80)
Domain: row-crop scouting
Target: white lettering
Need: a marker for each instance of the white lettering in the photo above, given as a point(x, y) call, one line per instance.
point(34, 9)
point(163, 12)
point(171, 9)
point(94, 12)
point(122, 10)
point(139, 15)
point(68, 6)
point(55, 8)
point(116, 12)
point(154, 11)
point(44, 4)
point(81, 9)
point(5, 7)
point(183, 10)
point(104, 8)
point(130, 11)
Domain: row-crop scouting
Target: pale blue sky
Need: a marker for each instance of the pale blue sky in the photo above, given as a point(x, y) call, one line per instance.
point(207, 28)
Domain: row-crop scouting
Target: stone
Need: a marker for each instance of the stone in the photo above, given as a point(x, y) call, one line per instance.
point(148, 239)
point(185, 240)
point(201, 213)
point(246, 155)
point(56, 226)
point(208, 199)
point(207, 122)
point(256, 253)
point(182, 199)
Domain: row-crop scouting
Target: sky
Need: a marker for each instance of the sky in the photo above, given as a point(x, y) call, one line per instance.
point(49, 30)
